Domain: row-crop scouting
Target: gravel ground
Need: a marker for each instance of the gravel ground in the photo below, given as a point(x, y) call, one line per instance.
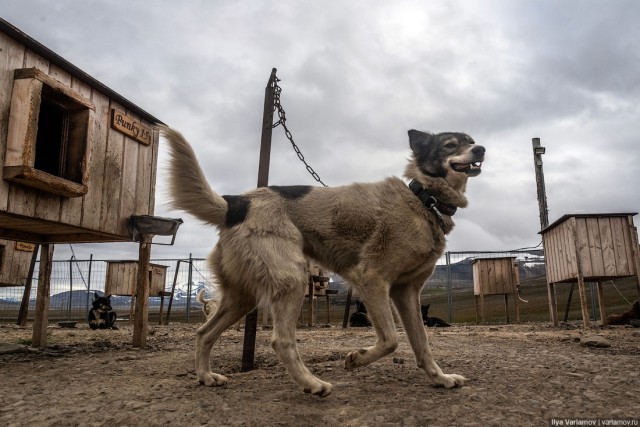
point(518, 375)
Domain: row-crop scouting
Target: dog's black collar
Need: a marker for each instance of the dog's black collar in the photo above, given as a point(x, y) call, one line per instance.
point(430, 202)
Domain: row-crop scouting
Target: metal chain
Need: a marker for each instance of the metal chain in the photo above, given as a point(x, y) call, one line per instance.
point(282, 119)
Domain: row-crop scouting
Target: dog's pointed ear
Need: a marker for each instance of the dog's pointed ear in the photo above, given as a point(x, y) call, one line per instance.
point(95, 296)
point(419, 140)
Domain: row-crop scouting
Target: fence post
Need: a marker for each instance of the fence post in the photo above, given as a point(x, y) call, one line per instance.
point(89, 282)
point(189, 287)
point(592, 291)
point(449, 287)
point(70, 287)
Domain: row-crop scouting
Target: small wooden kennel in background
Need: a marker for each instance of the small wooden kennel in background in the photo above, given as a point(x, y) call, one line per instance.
point(122, 277)
point(592, 248)
point(318, 286)
point(15, 259)
point(495, 276)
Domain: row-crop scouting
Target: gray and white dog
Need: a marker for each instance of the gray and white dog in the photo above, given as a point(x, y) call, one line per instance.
point(384, 238)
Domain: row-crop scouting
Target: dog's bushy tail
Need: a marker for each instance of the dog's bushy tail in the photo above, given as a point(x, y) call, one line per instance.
point(188, 188)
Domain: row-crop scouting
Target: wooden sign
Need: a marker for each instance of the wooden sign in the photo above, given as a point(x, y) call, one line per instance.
point(130, 127)
point(26, 247)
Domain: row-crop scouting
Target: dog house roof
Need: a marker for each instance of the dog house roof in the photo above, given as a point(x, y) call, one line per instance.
point(76, 72)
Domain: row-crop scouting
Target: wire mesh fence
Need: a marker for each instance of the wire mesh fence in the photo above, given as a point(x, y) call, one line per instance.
point(449, 292)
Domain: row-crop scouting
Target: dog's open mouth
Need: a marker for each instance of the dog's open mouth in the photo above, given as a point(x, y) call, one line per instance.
point(472, 168)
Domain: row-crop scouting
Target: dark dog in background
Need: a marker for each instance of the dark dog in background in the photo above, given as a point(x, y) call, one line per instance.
point(431, 321)
point(625, 318)
point(102, 315)
point(360, 319)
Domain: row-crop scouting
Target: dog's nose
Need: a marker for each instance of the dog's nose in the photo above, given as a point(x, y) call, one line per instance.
point(478, 150)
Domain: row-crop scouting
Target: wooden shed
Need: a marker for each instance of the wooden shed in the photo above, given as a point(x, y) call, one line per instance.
point(77, 159)
point(15, 259)
point(122, 278)
point(495, 276)
point(591, 248)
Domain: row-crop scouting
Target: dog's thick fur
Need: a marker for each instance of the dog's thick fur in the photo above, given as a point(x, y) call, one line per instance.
point(378, 236)
point(101, 315)
point(626, 317)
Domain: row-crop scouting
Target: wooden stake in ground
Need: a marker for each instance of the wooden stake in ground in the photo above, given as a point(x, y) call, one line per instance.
point(142, 292)
point(251, 321)
point(41, 321)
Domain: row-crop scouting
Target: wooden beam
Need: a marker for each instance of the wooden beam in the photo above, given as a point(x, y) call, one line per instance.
point(142, 292)
point(26, 295)
point(41, 321)
point(251, 320)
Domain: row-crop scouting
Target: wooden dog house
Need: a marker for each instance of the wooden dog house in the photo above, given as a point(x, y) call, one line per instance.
point(592, 248)
point(122, 278)
point(495, 276)
point(15, 259)
point(77, 158)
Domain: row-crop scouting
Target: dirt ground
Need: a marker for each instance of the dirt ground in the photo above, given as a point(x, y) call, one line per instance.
point(518, 375)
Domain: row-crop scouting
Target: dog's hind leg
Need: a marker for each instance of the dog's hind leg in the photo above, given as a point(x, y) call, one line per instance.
point(406, 298)
point(285, 309)
point(233, 306)
point(376, 299)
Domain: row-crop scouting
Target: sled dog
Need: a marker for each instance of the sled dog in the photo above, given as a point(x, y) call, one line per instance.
point(384, 238)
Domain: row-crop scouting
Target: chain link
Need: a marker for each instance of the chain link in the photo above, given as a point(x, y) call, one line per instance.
point(282, 119)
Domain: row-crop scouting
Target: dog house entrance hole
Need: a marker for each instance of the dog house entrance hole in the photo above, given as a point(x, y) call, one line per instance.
point(49, 135)
point(54, 147)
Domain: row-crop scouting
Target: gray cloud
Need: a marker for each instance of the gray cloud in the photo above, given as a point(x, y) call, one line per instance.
point(357, 75)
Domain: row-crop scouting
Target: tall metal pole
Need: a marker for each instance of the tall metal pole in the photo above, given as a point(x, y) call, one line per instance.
point(538, 151)
point(251, 321)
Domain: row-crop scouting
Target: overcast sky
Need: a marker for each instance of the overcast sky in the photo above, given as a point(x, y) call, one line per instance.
point(356, 75)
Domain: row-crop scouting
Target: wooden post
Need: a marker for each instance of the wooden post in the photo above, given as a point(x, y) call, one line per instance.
point(26, 294)
point(142, 292)
point(41, 321)
point(347, 308)
point(581, 288)
point(553, 305)
point(516, 287)
point(311, 308)
point(601, 304)
point(326, 294)
point(506, 306)
point(569, 298)
point(173, 290)
point(635, 252)
point(251, 320)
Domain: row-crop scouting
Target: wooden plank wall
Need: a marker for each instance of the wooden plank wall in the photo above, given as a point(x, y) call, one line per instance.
point(494, 276)
point(14, 264)
point(605, 246)
point(122, 171)
point(122, 278)
point(602, 245)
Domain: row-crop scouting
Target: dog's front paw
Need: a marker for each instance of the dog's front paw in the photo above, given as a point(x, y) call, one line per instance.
point(320, 388)
point(351, 361)
point(211, 379)
point(450, 380)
